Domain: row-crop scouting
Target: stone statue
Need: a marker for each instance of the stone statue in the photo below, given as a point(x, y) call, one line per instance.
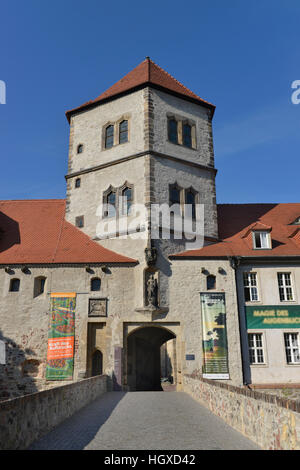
point(152, 289)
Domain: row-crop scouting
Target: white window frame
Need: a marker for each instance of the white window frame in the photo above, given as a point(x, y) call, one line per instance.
point(249, 286)
point(257, 348)
point(285, 286)
point(295, 356)
point(267, 238)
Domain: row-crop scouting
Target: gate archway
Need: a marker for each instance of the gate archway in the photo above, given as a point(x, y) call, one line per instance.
point(143, 357)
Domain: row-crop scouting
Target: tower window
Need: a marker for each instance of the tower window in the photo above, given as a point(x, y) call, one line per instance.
point(127, 201)
point(190, 202)
point(172, 131)
point(80, 148)
point(14, 285)
point(111, 204)
point(174, 194)
point(123, 132)
point(95, 284)
point(109, 137)
point(79, 221)
point(77, 183)
point(187, 135)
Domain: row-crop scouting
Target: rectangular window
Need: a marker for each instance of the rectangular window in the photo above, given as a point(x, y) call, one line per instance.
point(79, 221)
point(250, 287)
point(285, 287)
point(261, 240)
point(172, 131)
point(292, 350)
point(256, 350)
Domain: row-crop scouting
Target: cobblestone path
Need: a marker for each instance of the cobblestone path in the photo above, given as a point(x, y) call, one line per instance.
point(144, 421)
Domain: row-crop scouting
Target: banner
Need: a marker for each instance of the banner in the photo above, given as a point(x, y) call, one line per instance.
point(273, 316)
point(60, 357)
point(214, 336)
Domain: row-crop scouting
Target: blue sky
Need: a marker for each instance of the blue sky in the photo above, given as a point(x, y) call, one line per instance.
point(242, 56)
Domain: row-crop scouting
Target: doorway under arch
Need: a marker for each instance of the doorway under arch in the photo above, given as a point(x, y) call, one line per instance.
point(97, 363)
point(144, 359)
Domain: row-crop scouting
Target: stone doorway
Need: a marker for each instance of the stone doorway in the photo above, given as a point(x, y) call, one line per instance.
point(144, 367)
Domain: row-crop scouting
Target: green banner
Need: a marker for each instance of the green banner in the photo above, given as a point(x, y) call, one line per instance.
point(273, 316)
point(214, 336)
point(61, 335)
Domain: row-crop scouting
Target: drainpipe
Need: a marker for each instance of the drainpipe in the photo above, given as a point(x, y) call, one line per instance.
point(235, 262)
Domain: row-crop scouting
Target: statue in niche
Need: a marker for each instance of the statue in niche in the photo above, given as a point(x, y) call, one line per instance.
point(152, 291)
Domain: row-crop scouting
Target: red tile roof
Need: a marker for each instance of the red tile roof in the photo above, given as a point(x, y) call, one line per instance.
point(236, 222)
point(147, 72)
point(36, 232)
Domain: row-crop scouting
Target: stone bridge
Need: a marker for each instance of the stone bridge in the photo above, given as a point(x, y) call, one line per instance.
point(207, 415)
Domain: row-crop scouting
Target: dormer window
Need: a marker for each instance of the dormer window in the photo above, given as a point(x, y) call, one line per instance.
point(261, 240)
point(296, 222)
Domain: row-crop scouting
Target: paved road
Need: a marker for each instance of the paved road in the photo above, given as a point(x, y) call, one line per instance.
point(146, 421)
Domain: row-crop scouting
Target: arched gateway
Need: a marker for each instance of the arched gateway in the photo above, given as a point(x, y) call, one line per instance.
point(144, 359)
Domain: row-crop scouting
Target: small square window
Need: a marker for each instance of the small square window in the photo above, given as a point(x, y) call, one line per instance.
point(79, 221)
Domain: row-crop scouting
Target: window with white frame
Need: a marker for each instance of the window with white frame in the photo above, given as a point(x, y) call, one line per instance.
point(256, 349)
point(261, 240)
point(285, 287)
point(250, 287)
point(292, 349)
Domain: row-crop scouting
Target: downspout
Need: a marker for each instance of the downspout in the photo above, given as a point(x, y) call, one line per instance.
point(235, 262)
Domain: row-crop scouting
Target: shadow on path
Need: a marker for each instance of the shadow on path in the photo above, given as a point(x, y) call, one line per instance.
point(76, 432)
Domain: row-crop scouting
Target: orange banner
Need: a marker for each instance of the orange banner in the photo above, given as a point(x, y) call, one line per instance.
point(60, 347)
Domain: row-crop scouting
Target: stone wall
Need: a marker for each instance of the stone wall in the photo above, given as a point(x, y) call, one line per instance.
point(270, 421)
point(25, 419)
point(25, 321)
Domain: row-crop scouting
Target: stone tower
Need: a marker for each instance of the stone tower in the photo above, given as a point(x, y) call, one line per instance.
point(150, 137)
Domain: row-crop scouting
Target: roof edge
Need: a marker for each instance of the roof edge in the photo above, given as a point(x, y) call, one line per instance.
point(94, 104)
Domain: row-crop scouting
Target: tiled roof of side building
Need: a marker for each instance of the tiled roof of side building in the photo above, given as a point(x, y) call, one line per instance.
point(236, 221)
point(147, 72)
point(36, 232)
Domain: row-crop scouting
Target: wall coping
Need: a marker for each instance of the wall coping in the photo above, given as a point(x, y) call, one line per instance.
point(11, 402)
point(292, 405)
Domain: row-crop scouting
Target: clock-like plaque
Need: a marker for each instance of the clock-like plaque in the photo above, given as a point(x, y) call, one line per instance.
point(97, 307)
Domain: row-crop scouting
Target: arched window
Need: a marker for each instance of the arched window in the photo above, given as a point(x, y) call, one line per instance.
point(174, 194)
point(14, 285)
point(111, 202)
point(190, 200)
point(123, 132)
point(172, 131)
point(127, 201)
point(187, 135)
point(210, 282)
point(77, 183)
point(39, 285)
point(97, 363)
point(95, 284)
point(80, 148)
point(109, 137)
